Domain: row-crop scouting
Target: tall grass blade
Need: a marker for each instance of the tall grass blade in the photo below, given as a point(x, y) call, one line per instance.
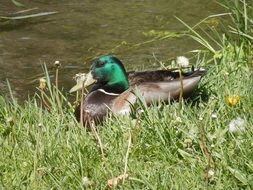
point(198, 37)
point(10, 91)
point(234, 31)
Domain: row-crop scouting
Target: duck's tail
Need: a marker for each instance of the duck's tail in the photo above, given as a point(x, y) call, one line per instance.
point(195, 72)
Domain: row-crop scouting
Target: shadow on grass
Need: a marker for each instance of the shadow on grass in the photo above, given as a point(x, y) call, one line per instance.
point(201, 94)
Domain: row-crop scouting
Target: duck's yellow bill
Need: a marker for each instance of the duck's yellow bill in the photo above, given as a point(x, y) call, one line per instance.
point(83, 83)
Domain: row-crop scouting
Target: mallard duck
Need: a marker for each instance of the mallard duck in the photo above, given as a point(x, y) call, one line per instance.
point(114, 89)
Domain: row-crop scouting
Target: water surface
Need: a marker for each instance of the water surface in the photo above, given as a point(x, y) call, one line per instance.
point(84, 28)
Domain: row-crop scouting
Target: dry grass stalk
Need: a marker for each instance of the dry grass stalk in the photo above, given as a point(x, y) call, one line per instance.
point(112, 183)
point(94, 131)
point(207, 153)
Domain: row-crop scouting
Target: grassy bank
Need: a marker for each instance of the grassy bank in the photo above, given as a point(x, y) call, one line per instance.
point(206, 144)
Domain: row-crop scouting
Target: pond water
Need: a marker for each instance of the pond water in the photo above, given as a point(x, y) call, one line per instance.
point(84, 28)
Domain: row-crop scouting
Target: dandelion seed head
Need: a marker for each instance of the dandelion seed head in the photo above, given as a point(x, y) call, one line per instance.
point(57, 63)
point(182, 61)
point(40, 125)
point(140, 111)
point(80, 77)
point(42, 83)
point(210, 173)
point(237, 125)
point(178, 119)
point(214, 115)
point(86, 181)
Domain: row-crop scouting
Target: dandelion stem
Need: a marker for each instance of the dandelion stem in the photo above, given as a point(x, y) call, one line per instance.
point(81, 105)
point(182, 88)
point(77, 97)
point(44, 102)
point(57, 90)
point(56, 78)
point(57, 66)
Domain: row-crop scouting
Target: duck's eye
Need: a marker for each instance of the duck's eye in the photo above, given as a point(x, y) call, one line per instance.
point(101, 63)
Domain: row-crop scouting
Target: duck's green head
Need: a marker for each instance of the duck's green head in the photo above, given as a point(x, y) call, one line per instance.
point(108, 73)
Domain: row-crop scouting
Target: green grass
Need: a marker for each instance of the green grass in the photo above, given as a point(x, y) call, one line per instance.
point(170, 148)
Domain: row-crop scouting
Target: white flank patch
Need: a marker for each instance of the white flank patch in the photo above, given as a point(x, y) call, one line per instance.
point(108, 93)
point(124, 112)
